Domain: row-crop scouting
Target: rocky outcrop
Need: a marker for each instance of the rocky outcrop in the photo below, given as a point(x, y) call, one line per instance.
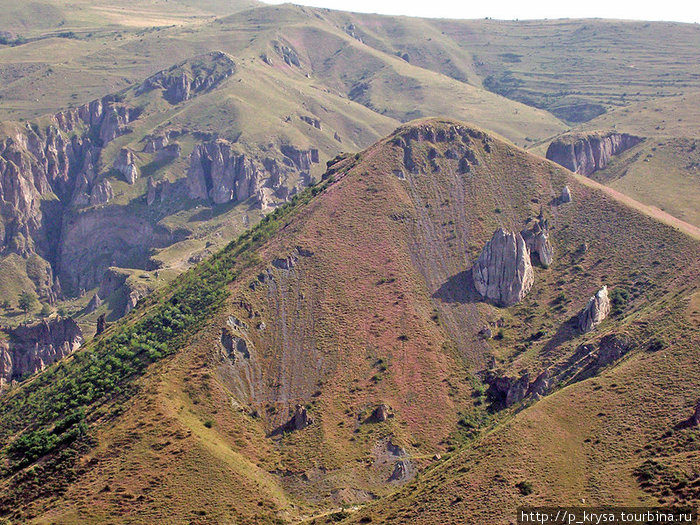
point(301, 159)
point(518, 390)
point(219, 174)
point(190, 78)
point(216, 172)
point(537, 241)
point(288, 54)
point(403, 471)
point(540, 385)
point(101, 193)
point(695, 418)
point(150, 191)
point(595, 312)
point(58, 159)
point(585, 153)
point(565, 195)
point(380, 414)
point(503, 273)
point(101, 324)
point(132, 300)
point(612, 347)
point(300, 419)
point(311, 121)
point(507, 391)
point(126, 165)
point(30, 349)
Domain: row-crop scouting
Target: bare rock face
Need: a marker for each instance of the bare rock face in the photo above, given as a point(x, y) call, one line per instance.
point(540, 385)
point(695, 419)
point(125, 164)
point(595, 312)
point(403, 471)
point(300, 419)
point(216, 172)
point(57, 159)
point(380, 414)
point(101, 193)
point(301, 159)
point(30, 349)
point(132, 300)
point(508, 391)
point(150, 192)
point(311, 121)
point(503, 273)
point(219, 174)
point(565, 195)
point(518, 390)
point(612, 347)
point(537, 241)
point(585, 153)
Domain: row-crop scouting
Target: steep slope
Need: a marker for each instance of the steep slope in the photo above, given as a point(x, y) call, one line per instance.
point(340, 347)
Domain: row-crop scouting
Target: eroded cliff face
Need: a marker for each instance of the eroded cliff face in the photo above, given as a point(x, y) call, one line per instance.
point(59, 177)
point(585, 153)
point(29, 349)
point(54, 182)
point(220, 174)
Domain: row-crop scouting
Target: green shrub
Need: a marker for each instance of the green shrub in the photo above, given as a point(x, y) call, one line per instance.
point(525, 487)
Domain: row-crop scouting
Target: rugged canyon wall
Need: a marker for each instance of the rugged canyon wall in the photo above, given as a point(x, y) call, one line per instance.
point(58, 176)
point(26, 350)
point(585, 153)
point(220, 174)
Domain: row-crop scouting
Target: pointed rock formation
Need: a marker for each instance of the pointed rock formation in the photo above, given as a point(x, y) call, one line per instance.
point(380, 414)
point(101, 193)
point(503, 273)
point(300, 420)
point(596, 310)
point(216, 172)
point(101, 324)
point(565, 195)
point(537, 241)
point(126, 166)
point(150, 192)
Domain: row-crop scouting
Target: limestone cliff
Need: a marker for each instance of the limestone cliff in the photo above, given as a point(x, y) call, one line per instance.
point(29, 349)
point(585, 153)
point(220, 174)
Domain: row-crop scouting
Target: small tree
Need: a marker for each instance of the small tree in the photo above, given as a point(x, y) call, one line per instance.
point(45, 310)
point(26, 301)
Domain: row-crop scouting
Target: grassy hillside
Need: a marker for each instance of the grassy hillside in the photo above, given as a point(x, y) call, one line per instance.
point(358, 293)
point(662, 171)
